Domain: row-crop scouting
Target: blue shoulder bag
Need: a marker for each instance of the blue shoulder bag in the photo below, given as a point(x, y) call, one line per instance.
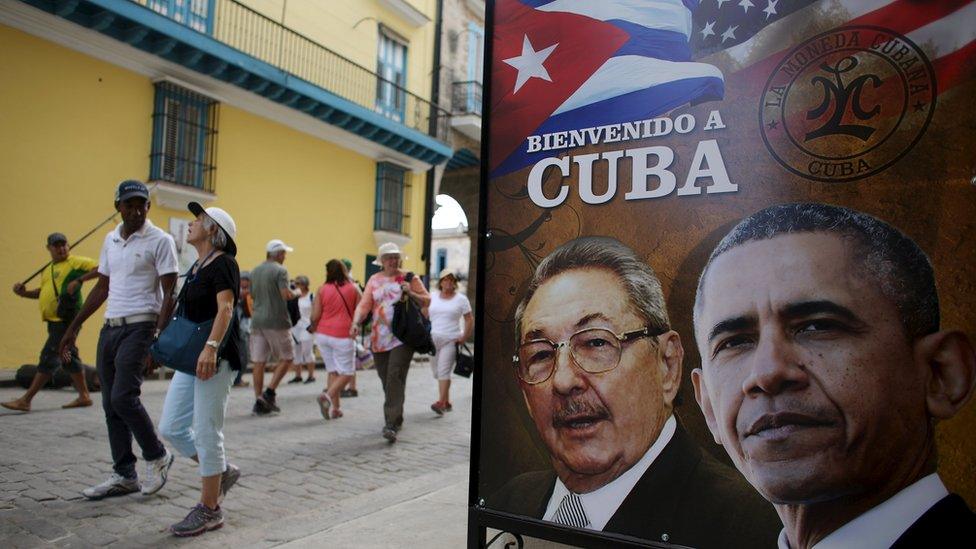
point(180, 344)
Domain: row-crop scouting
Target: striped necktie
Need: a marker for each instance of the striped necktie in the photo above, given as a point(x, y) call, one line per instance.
point(570, 512)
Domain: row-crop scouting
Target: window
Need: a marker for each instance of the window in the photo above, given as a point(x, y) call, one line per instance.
point(476, 67)
point(184, 137)
point(441, 261)
point(391, 95)
point(392, 199)
point(192, 13)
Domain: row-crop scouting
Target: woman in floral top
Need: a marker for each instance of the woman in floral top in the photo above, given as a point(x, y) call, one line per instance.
point(390, 355)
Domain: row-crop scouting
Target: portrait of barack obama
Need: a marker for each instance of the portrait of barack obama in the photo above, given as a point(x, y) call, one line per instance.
point(824, 372)
point(599, 367)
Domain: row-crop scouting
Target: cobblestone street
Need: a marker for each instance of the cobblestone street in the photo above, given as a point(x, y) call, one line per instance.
point(301, 474)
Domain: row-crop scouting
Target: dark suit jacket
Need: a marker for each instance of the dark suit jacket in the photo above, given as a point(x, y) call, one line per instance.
point(685, 494)
point(948, 523)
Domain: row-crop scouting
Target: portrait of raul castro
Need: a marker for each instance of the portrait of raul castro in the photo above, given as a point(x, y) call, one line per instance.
point(599, 366)
point(824, 372)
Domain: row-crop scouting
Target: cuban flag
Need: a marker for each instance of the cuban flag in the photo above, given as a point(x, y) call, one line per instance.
point(568, 64)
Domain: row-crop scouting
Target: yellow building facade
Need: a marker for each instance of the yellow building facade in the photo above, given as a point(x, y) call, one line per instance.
point(312, 133)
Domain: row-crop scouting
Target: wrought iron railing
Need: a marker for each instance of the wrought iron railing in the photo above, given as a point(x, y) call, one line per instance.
point(466, 98)
point(263, 38)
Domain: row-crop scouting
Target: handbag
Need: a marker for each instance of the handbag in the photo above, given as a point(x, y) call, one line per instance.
point(410, 326)
point(180, 344)
point(463, 363)
point(67, 302)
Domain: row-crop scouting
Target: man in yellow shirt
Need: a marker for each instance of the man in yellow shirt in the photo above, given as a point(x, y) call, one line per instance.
point(65, 275)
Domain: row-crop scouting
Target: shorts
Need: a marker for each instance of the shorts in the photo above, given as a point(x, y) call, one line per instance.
point(49, 360)
point(446, 355)
point(338, 354)
point(266, 341)
point(303, 352)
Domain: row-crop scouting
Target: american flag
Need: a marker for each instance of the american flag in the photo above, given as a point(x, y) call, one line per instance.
point(753, 33)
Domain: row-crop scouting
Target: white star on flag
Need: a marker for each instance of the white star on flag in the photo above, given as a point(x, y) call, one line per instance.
point(720, 2)
point(530, 63)
point(770, 8)
point(729, 33)
point(746, 4)
point(708, 30)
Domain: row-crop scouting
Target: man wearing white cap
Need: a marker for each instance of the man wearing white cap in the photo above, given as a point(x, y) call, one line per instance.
point(270, 324)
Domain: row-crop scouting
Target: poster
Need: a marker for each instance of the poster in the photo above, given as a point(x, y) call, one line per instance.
point(728, 284)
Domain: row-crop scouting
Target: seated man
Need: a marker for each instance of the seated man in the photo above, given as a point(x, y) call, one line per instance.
point(824, 371)
point(599, 367)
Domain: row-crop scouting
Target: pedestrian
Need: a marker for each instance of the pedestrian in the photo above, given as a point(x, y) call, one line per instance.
point(390, 355)
point(331, 319)
point(304, 355)
point(136, 274)
point(244, 306)
point(349, 391)
point(64, 277)
point(193, 412)
point(447, 308)
point(270, 324)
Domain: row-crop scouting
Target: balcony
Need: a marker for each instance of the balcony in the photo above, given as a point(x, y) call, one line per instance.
point(230, 42)
point(466, 108)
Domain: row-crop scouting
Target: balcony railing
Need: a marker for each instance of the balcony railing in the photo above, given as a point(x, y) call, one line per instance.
point(466, 98)
point(258, 36)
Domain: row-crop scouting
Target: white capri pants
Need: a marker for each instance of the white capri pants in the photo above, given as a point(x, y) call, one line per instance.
point(303, 352)
point(338, 354)
point(445, 355)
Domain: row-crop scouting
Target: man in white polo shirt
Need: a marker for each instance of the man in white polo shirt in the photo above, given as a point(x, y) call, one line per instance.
point(137, 271)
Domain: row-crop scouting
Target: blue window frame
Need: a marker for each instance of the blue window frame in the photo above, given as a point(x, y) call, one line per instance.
point(196, 14)
point(184, 137)
point(391, 66)
point(392, 199)
point(441, 261)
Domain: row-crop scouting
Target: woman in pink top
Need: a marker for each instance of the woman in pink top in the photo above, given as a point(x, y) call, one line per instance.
point(390, 355)
point(332, 312)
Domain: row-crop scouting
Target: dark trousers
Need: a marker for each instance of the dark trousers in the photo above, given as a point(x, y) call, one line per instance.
point(392, 367)
point(122, 351)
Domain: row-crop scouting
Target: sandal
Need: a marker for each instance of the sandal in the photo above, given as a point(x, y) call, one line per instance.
point(336, 413)
point(325, 402)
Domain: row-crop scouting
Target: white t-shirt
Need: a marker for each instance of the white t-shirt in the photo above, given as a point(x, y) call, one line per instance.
point(446, 314)
point(300, 330)
point(134, 266)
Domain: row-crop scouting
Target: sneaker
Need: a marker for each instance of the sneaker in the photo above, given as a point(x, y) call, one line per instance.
point(116, 485)
point(448, 407)
point(296, 379)
point(389, 434)
point(228, 479)
point(325, 402)
point(270, 398)
point(349, 393)
point(261, 407)
point(309, 380)
point(438, 407)
point(157, 471)
point(201, 519)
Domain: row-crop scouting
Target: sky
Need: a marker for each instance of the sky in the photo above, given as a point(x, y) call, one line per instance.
point(449, 213)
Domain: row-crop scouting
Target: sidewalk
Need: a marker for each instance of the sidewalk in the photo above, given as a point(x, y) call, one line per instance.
point(306, 482)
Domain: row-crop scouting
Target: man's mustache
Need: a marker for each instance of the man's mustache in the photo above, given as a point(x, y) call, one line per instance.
point(576, 410)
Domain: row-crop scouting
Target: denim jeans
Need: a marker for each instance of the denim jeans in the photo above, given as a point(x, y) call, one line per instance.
point(122, 351)
point(193, 417)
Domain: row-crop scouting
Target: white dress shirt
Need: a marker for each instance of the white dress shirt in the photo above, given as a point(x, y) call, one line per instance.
point(603, 502)
point(134, 266)
point(882, 525)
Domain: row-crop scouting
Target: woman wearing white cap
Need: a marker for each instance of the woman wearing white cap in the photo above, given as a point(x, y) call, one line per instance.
point(447, 308)
point(193, 412)
point(390, 355)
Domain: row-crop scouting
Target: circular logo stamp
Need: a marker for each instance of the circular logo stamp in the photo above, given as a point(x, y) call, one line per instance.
point(848, 103)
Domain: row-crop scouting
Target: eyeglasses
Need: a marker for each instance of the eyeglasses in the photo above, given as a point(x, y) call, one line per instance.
point(594, 350)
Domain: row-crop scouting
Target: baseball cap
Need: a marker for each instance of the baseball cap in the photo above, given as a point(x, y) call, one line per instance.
point(347, 263)
point(222, 219)
point(277, 246)
point(56, 238)
point(131, 188)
